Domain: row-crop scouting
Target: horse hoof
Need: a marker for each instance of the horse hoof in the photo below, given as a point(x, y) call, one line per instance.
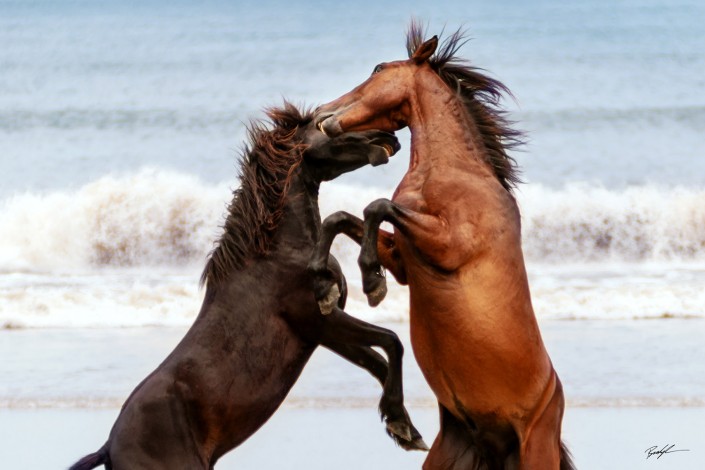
point(328, 303)
point(418, 444)
point(400, 430)
point(376, 297)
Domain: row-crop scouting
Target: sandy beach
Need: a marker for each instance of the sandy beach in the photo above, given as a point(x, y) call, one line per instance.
point(345, 438)
point(630, 385)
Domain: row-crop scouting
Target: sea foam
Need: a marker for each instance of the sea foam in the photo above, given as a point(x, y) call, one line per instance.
point(151, 218)
point(128, 251)
point(157, 217)
point(583, 223)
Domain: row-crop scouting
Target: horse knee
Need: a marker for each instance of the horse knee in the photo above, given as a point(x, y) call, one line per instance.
point(335, 221)
point(377, 207)
point(393, 345)
point(368, 261)
point(398, 346)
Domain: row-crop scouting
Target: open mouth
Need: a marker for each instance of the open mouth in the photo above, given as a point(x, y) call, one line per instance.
point(380, 158)
point(329, 126)
point(377, 159)
point(320, 128)
point(388, 149)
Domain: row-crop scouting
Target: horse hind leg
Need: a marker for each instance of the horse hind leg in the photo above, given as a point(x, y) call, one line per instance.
point(454, 447)
point(96, 459)
point(566, 458)
point(462, 445)
point(542, 447)
point(175, 459)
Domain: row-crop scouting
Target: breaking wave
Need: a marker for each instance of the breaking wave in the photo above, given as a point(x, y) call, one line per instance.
point(164, 218)
point(152, 218)
point(128, 251)
point(583, 223)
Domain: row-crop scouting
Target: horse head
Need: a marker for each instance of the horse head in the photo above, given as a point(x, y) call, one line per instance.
point(383, 101)
point(329, 157)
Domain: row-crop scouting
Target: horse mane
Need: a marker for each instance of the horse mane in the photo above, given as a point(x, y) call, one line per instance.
point(481, 96)
point(267, 163)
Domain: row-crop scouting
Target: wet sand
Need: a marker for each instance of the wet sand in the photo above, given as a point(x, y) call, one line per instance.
point(630, 385)
point(345, 438)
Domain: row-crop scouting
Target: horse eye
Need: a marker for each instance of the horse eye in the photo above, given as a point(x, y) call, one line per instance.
point(377, 69)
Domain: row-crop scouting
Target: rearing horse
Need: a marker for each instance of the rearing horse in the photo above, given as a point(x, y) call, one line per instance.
point(259, 322)
point(457, 244)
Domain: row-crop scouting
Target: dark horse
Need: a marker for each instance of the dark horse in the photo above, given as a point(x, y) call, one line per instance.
point(259, 323)
point(457, 244)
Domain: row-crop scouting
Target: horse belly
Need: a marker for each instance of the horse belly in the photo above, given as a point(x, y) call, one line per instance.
point(471, 365)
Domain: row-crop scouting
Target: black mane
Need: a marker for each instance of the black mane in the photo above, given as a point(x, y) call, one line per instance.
point(267, 164)
point(481, 96)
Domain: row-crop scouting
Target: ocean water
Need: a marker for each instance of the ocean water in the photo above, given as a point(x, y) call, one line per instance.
point(121, 122)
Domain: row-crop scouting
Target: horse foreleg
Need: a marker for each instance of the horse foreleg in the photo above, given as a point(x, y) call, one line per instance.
point(428, 233)
point(377, 366)
point(352, 339)
point(348, 224)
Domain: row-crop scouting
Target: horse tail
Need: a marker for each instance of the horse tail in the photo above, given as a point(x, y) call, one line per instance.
point(566, 458)
point(101, 457)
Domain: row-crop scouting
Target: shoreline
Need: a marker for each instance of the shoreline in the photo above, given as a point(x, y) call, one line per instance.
point(617, 363)
point(353, 403)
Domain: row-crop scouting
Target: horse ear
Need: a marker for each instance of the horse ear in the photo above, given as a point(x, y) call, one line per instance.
point(425, 50)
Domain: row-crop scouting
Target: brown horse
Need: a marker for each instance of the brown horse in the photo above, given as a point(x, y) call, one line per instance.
point(259, 323)
point(457, 244)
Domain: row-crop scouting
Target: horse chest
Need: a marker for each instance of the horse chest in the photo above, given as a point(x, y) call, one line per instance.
point(411, 199)
point(434, 193)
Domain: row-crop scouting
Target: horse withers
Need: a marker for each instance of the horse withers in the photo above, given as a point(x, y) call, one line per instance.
point(457, 244)
point(259, 322)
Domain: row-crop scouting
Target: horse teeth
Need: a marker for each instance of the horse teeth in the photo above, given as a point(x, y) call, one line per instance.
point(387, 149)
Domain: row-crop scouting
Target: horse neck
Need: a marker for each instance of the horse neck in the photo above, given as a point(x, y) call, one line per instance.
point(301, 219)
point(443, 134)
